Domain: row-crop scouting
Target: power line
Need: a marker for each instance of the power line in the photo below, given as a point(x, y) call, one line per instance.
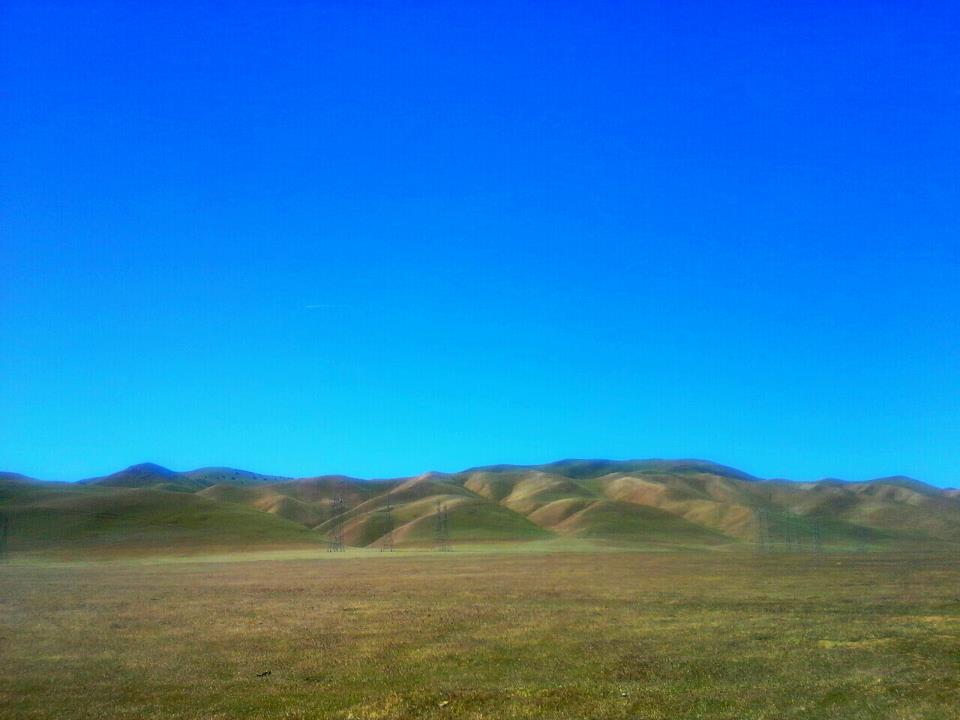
point(788, 532)
point(336, 530)
point(4, 535)
point(442, 530)
point(763, 531)
point(386, 542)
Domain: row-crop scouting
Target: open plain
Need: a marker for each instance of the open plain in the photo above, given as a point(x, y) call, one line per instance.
point(566, 629)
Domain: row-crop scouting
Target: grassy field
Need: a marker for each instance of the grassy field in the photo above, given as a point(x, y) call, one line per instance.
point(488, 633)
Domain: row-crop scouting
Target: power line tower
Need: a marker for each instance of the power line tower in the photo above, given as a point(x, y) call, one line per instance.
point(442, 532)
point(336, 530)
point(788, 532)
point(763, 531)
point(386, 542)
point(4, 535)
point(796, 530)
point(863, 536)
point(816, 536)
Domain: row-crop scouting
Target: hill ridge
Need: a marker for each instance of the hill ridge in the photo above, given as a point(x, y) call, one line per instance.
point(657, 502)
point(577, 467)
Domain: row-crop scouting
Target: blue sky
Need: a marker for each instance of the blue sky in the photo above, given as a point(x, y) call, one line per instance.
point(381, 238)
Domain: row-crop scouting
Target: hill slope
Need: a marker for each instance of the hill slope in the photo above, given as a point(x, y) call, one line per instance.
point(83, 519)
point(661, 502)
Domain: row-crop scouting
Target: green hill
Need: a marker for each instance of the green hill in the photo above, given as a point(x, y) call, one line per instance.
point(152, 475)
point(679, 503)
point(84, 519)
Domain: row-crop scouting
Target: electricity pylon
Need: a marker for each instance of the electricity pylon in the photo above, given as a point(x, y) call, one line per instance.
point(863, 536)
point(788, 532)
point(336, 534)
point(386, 542)
point(4, 530)
point(442, 531)
point(763, 531)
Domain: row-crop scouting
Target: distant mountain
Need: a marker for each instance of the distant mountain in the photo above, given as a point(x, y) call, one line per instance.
point(143, 475)
point(152, 475)
point(646, 503)
point(582, 469)
point(232, 476)
point(910, 484)
point(10, 477)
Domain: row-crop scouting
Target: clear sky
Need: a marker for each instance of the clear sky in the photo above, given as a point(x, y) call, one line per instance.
point(379, 238)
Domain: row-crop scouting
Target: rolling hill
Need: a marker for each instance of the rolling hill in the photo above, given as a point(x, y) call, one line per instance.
point(655, 503)
point(152, 475)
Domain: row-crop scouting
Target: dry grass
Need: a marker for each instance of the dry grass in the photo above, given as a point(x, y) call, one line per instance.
point(484, 635)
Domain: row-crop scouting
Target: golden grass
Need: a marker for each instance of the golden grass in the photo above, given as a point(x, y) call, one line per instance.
point(482, 633)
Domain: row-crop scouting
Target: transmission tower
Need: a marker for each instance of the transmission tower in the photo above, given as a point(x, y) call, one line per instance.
point(862, 538)
point(442, 534)
point(788, 532)
point(763, 531)
point(796, 526)
point(386, 542)
point(336, 534)
point(4, 530)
